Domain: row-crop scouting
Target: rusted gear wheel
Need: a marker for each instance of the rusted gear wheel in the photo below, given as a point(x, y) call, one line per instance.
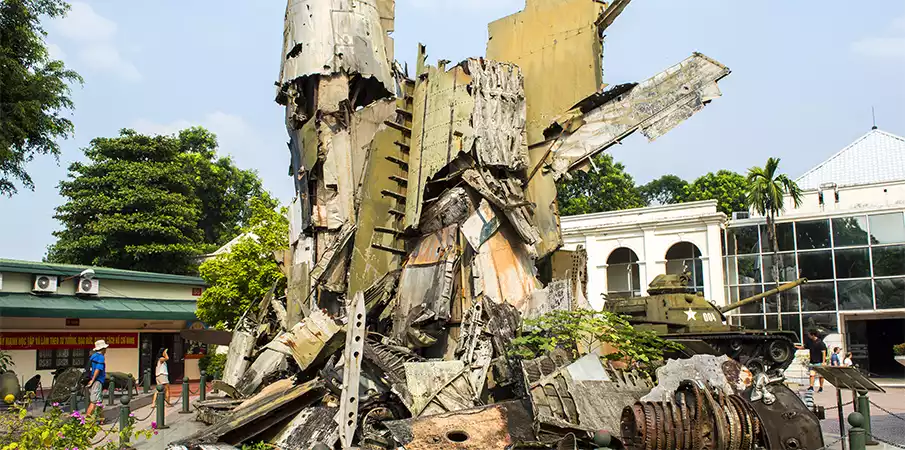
point(650, 427)
point(735, 429)
point(670, 426)
point(628, 426)
point(678, 426)
point(720, 425)
point(661, 426)
point(687, 422)
point(702, 432)
point(744, 422)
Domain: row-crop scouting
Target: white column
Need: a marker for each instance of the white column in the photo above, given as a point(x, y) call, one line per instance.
point(713, 267)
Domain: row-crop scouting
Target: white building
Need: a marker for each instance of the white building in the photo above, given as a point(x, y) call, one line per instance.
point(627, 249)
point(847, 237)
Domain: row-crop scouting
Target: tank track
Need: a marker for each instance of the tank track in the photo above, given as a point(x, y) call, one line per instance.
point(759, 351)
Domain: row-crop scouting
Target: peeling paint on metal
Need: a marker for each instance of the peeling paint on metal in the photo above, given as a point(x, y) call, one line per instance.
point(438, 386)
point(653, 106)
point(507, 271)
point(315, 337)
point(310, 426)
point(499, 114)
point(494, 427)
point(323, 37)
point(481, 225)
point(561, 64)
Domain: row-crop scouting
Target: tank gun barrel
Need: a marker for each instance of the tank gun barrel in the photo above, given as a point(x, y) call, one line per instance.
point(757, 297)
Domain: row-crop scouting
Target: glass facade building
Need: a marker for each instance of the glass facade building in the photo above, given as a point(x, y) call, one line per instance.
point(852, 262)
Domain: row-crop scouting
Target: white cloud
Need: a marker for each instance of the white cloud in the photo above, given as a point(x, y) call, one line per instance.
point(880, 47)
point(235, 136)
point(55, 52)
point(94, 37)
point(891, 46)
point(83, 24)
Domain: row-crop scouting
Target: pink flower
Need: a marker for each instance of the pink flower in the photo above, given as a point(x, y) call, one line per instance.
point(76, 414)
point(155, 432)
point(153, 425)
point(99, 403)
point(55, 404)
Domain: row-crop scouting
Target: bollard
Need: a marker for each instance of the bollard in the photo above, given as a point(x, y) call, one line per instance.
point(124, 421)
point(185, 396)
point(864, 408)
point(202, 386)
point(146, 382)
point(161, 406)
point(856, 437)
point(110, 393)
point(73, 400)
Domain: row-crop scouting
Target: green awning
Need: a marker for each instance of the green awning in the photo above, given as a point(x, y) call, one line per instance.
point(23, 304)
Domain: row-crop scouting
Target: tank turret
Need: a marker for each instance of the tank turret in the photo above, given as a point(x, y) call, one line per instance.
point(675, 312)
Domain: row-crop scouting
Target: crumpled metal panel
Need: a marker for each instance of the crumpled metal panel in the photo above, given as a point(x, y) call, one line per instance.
point(718, 372)
point(268, 362)
point(507, 195)
point(310, 426)
point(541, 192)
point(452, 207)
point(240, 348)
point(653, 106)
point(441, 128)
point(494, 427)
point(507, 271)
point(335, 190)
point(499, 114)
point(370, 259)
point(580, 395)
point(426, 284)
point(557, 45)
point(481, 225)
point(274, 404)
point(439, 386)
point(315, 336)
point(322, 37)
point(556, 296)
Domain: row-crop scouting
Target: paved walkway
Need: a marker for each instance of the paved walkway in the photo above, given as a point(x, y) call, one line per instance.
point(885, 426)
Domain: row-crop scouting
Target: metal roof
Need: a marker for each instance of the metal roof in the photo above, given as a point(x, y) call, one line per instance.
point(42, 268)
point(876, 157)
point(23, 304)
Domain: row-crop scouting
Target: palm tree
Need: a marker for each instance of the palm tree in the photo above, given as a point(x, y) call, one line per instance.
point(766, 195)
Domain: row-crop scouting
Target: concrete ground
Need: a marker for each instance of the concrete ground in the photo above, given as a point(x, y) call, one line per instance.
point(885, 426)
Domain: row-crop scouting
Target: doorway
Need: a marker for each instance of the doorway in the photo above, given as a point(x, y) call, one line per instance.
point(871, 343)
point(152, 344)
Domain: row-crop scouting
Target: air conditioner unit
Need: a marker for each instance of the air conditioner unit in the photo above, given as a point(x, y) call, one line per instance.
point(45, 283)
point(738, 215)
point(87, 286)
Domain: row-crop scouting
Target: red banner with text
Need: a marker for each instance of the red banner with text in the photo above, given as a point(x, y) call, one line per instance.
point(50, 341)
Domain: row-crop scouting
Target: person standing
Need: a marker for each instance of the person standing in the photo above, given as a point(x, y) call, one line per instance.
point(817, 349)
point(163, 376)
point(836, 358)
point(98, 370)
point(847, 362)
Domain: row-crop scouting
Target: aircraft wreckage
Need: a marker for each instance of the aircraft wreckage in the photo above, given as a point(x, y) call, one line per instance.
point(425, 229)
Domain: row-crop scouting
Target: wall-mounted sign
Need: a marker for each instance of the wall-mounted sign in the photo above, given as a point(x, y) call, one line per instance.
point(196, 292)
point(72, 322)
point(49, 341)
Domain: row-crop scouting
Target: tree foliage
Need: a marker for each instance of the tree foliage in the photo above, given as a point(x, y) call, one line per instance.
point(576, 331)
point(728, 188)
point(34, 90)
point(245, 274)
point(766, 195)
point(151, 203)
point(605, 187)
point(666, 190)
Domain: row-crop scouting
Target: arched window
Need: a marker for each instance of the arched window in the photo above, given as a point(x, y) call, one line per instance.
point(623, 277)
point(685, 257)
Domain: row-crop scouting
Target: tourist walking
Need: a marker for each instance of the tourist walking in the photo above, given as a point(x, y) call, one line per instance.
point(163, 376)
point(98, 368)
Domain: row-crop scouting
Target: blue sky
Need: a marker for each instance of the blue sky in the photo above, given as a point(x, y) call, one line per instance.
point(805, 75)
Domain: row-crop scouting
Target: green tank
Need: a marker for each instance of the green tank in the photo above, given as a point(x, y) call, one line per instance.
point(675, 313)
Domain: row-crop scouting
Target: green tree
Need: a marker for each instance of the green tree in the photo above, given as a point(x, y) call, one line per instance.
point(766, 195)
point(665, 190)
point(245, 273)
point(150, 203)
point(579, 330)
point(605, 187)
point(34, 90)
point(726, 187)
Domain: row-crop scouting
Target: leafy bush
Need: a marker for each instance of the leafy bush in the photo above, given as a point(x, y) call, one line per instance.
point(576, 331)
point(56, 430)
point(6, 362)
point(213, 364)
point(898, 350)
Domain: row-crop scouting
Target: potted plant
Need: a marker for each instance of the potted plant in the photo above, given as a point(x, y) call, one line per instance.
point(899, 352)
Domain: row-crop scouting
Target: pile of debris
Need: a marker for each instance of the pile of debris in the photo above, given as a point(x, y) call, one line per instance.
point(425, 229)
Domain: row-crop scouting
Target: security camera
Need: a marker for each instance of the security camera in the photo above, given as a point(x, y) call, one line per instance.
point(87, 274)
